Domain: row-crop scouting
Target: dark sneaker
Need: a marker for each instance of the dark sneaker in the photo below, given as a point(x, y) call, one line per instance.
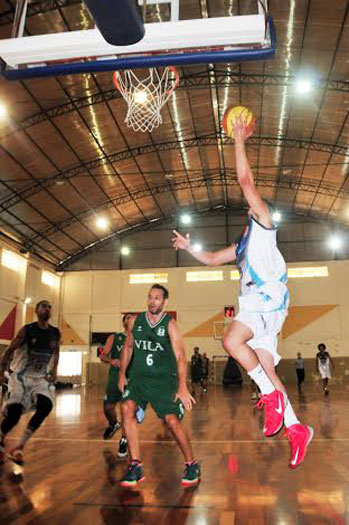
point(133, 476)
point(122, 453)
point(110, 431)
point(16, 455)
point(191, 474)
point(140, 413)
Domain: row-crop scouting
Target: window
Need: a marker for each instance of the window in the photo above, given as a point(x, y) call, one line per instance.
point(200, 276)
point(49, 278)
point(148, 278)
point(234, 275)
point(10, 260)
point(308, 271)
point(69, 364)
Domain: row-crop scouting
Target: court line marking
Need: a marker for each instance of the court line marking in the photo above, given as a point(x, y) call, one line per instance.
point(155, 442)
point(143, 506)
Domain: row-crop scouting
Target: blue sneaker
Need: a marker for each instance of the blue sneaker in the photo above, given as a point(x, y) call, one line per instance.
point(140, 414)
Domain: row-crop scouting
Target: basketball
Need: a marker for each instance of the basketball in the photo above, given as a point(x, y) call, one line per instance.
point(232, 114)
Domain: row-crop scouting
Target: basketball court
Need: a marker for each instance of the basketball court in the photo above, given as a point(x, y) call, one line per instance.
point(117, 123)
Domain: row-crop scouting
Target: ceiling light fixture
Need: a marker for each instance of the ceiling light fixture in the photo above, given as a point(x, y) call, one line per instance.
point(185, 218)
point(125, 250)
point(303, 86)
point(335, 242)
point(102, 223)
point(276, 216)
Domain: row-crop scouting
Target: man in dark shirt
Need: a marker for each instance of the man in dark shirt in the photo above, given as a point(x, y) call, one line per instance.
point(300, 371)
point(205, 371)
point(196, 368)
point(33, 354)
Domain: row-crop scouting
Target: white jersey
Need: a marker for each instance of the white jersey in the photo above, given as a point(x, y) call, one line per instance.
point(262, 269)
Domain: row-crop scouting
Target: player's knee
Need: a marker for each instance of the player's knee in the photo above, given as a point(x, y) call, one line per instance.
point(230, 344)
point(172, 421)
point(14, 412)
point(128, 410)
point(44, 405)
point(108, 407)
point(43, 408)
point(13, 415)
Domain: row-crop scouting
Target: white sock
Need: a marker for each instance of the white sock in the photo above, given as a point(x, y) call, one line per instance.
point(261, 379)
point(290, 417)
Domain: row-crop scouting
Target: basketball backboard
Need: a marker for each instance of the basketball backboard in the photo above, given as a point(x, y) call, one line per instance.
point(174, 42)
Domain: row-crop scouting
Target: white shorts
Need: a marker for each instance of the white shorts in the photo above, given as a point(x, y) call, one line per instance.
point(24, 390)
point(325, 372)
point(265, 327)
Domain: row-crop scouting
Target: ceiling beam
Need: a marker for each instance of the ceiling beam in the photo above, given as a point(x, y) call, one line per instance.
point(121, 234)
point(206, 140)
point(198, 80)
point(37, 8)
point(215, 180)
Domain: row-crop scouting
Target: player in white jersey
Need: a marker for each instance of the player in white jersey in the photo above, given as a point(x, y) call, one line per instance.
point(251, 339)
point(33, 357)
point(324, 362)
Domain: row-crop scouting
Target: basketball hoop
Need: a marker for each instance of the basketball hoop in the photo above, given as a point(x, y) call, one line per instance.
point(145, 97)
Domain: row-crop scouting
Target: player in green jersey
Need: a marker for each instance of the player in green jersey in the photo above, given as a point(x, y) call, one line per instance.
point(157, 375)
point(111, 356)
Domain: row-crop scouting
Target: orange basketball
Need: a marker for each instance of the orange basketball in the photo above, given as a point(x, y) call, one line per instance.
point(232, 114)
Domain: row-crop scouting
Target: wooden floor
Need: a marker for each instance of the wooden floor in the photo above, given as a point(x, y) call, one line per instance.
point(71, 474)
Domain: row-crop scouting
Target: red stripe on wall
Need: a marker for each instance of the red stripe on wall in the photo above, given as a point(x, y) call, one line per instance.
point(7, 327)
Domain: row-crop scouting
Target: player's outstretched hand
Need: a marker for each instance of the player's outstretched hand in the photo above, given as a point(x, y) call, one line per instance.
point(184, 396)
point(179, 242)
point(241, 132)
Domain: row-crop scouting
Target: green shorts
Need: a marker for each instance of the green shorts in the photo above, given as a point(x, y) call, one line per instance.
point(160, 395)
point(113, 394)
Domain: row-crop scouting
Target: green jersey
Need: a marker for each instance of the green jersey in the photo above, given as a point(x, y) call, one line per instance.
point(153, 355)
point(118, 343)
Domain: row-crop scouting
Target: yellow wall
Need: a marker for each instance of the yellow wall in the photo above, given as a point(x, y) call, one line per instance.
point(17, 285)
point(95, 300)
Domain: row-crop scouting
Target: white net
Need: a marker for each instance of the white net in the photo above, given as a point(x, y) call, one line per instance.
point(145, 96)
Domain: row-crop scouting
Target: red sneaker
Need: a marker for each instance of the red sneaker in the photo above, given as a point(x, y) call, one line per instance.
point(274, 409)
point(299, 437)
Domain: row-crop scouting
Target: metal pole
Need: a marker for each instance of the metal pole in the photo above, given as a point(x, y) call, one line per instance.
point(19, 19)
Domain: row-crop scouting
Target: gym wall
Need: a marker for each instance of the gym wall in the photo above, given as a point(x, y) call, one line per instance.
point(93, 301)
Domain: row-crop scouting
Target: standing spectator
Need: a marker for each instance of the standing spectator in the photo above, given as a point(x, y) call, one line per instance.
point(206, 371)
point(323, 361)
point(196, 368)
point(299, 364)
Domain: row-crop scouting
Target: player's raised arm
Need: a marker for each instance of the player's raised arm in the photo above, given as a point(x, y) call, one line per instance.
point(177, 344)
point(257, 206)
point(224, 256)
